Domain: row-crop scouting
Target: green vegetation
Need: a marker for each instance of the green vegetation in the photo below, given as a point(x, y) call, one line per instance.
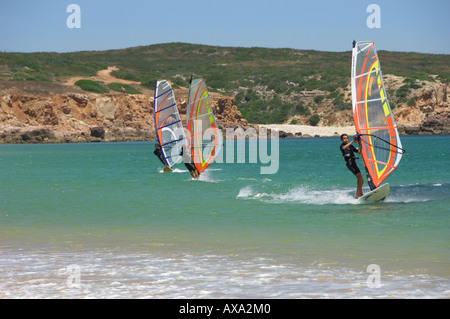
point(401, 94)
point(313, 120)
point(50, 65)
point(411, 101)
point(319, 98)
point(91, 86)
point(281, 74)
point(128, 89)
point(339, 103)
point(265, 111)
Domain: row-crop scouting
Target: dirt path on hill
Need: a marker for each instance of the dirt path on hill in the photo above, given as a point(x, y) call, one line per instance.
point(102, 76)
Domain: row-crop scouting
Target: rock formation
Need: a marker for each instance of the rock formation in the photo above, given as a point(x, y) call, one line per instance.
point(37, 112)
point(424, 110)
point(58, 113)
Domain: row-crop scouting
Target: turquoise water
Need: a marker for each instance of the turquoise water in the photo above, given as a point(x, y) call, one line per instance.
point(132, 231)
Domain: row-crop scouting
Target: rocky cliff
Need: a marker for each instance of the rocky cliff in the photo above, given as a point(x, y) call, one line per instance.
point(424, 109)
point(37, 112)
point(34, 112)
point(428, 112)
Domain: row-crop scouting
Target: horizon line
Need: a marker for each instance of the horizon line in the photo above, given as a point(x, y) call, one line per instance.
point(210, 45)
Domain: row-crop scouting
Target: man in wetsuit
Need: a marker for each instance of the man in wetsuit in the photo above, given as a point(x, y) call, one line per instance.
point(158, 153)
point(348, 151)
point(189, 164)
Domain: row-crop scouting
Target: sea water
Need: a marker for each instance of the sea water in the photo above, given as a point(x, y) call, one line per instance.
point(105, 221)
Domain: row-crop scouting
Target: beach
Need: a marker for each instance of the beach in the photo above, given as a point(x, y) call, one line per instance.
point(310, 131)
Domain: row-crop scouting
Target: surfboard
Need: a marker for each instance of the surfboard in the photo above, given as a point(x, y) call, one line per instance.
point(377, 195)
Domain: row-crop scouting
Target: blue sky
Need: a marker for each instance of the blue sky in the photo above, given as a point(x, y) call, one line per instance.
point(327, 25)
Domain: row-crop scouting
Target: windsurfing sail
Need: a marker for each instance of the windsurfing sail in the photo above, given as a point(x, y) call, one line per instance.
point(203, 132)
point(168, 125)
point(380, 146)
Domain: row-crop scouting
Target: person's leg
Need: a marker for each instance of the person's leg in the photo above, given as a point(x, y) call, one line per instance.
point(360, 183)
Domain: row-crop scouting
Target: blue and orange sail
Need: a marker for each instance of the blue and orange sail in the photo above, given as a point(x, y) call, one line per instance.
point(168, 126)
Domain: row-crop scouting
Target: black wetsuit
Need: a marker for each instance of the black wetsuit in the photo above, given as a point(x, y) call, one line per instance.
point(349, 158)
point(187, 161)
point(159, 154)
point(190, 166)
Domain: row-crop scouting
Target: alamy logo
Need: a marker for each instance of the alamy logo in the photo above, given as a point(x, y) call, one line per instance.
point(74, 19)
point(258, 150)
point(374, 20)
point(374, 279)
point(73, 280)
point(263, 147)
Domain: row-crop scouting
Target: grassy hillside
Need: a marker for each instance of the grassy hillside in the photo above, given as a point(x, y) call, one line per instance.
point(266, 82)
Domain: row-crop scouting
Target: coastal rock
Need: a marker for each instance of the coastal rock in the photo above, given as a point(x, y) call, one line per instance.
point(37, 136)
point(105, 107)
point(63, 114)
point(37, 112)
point(98, 131)
point(81, 100)
point(437, 123)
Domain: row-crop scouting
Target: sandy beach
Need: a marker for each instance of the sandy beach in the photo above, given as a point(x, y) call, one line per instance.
point(310, 131)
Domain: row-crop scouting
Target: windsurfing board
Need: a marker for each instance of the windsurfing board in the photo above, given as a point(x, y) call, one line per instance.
point(377, 195)
point(167, 169)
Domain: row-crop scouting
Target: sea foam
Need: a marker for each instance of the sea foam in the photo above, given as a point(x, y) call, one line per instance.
point(305, 195)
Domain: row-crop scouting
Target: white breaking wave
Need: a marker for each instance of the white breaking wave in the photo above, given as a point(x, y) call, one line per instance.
point(309, 195)
point(206, 177)
point(174, 170)
point(245, 192)
point(303, 195)
point(116, 274)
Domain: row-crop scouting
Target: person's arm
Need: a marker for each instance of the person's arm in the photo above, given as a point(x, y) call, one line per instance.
point(347, 145)
point(355, 150)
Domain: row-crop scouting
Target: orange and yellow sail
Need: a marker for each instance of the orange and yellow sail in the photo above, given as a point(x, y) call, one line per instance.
point(203, 132)
point(381, 149)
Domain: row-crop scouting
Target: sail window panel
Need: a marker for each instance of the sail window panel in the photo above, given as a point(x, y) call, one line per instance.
point(374, 116)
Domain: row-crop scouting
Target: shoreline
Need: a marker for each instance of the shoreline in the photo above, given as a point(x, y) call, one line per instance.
point(290, 130)
point(86, 134)
point(50, 135)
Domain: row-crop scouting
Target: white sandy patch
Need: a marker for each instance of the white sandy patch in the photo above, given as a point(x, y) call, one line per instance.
point(311, 130)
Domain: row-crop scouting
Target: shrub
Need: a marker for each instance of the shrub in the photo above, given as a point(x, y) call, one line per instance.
point(149, 83)
point(319, 98)
point(314, 119)
point(91, 86)
point(411, 101)
point(128, 89)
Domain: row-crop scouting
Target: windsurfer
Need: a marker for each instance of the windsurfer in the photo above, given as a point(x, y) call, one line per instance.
point(159, 153)
point(189, 164)
point(348, 151)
